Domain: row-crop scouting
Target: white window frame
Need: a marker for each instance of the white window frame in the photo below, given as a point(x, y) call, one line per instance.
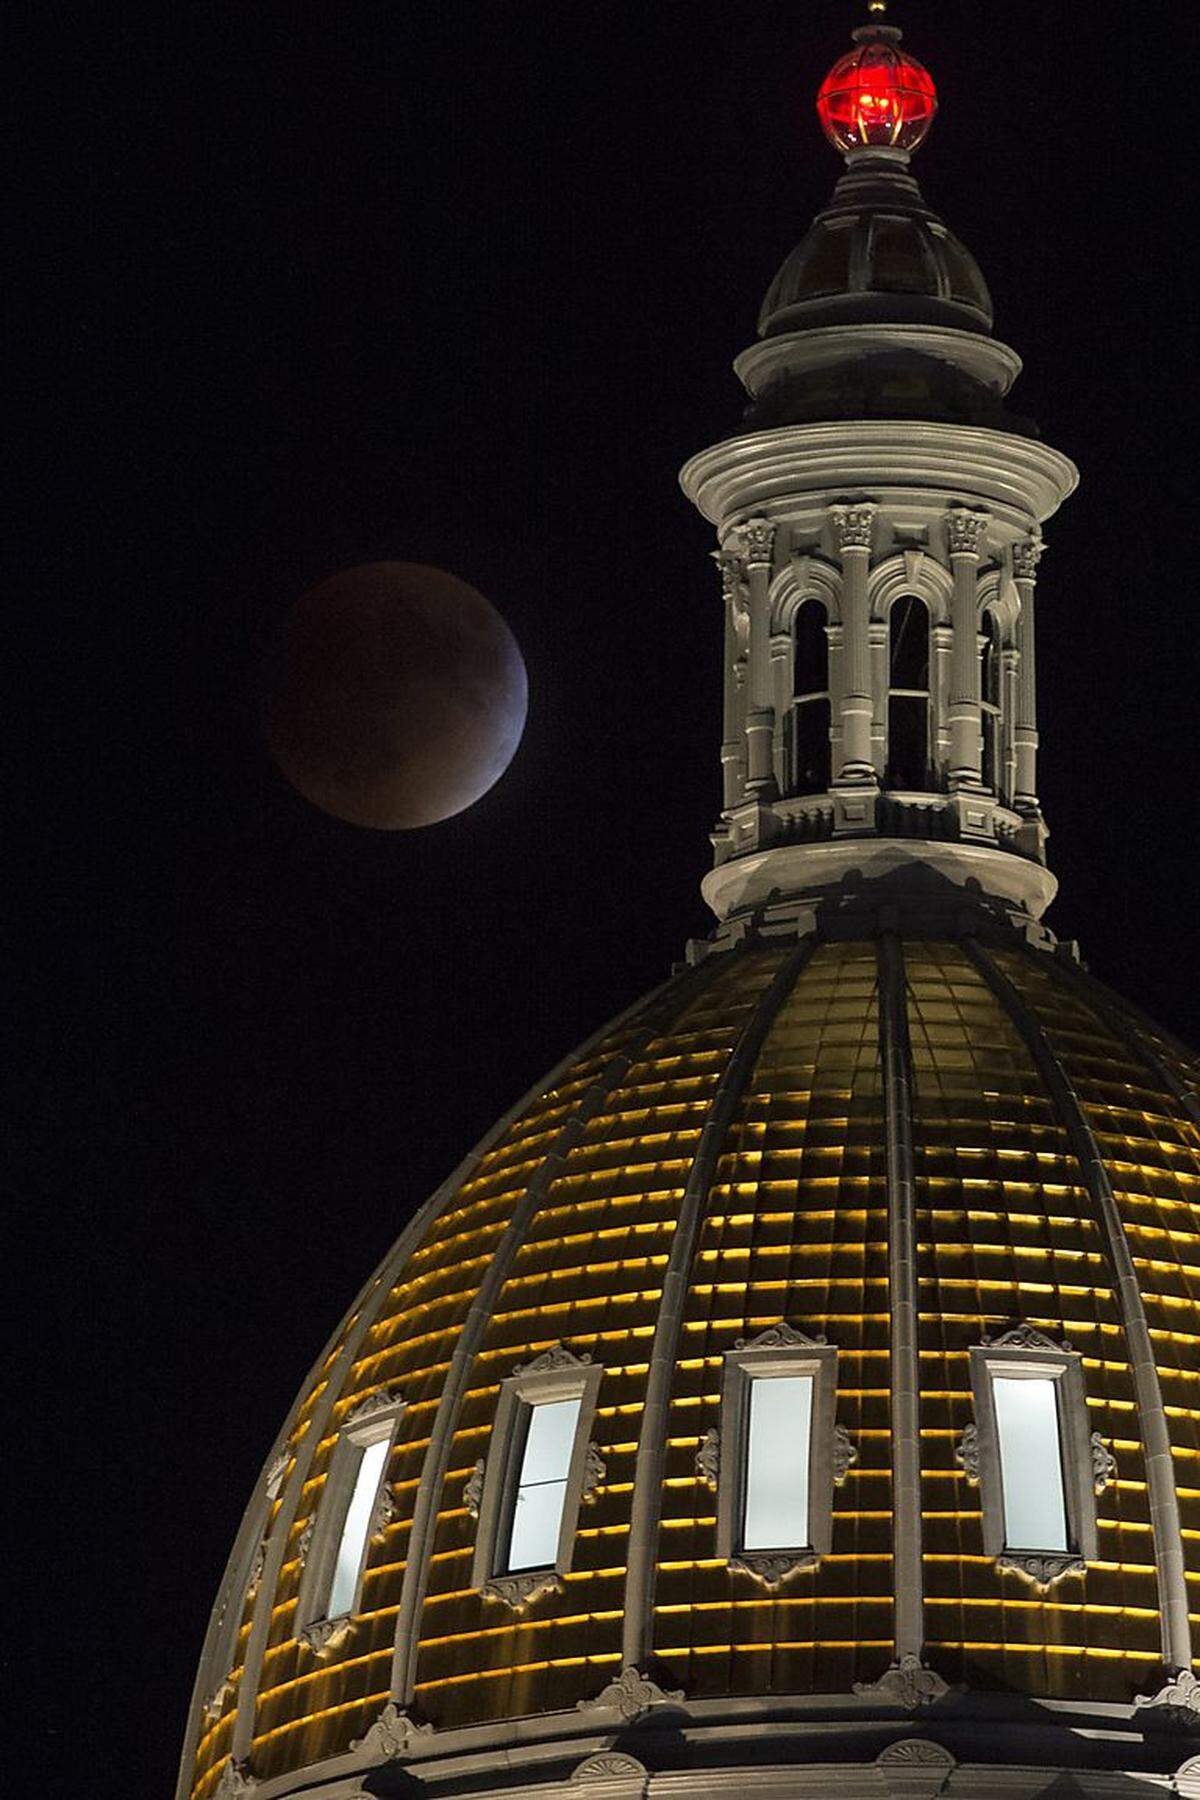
point(1025, 1353)
point(779, 1351)
point(374, 1420)
point(555, 1375)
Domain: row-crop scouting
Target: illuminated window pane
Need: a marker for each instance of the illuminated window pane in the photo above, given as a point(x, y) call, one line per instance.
point(1035, 1507)
point(777, 1452)
point(357, 1527)
point(542, 1484)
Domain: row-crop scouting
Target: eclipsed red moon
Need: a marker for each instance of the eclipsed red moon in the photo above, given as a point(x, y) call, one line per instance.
point(402, 696)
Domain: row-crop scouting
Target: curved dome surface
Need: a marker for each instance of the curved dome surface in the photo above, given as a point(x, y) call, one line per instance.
point(721, 1162)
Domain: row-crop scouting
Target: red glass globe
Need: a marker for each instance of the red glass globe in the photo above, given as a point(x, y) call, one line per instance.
point(877, 95)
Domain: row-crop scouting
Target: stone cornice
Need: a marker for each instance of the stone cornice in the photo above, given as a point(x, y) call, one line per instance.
point(793, 472)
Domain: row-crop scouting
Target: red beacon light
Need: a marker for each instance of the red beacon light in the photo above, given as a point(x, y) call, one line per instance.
point(877, 96)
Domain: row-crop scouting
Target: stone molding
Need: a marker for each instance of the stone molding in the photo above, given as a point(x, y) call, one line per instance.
point(394, 1734)
point(631, 1694)
point(909, 1683)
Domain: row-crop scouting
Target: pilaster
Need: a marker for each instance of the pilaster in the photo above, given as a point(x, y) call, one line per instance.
point(965, 533)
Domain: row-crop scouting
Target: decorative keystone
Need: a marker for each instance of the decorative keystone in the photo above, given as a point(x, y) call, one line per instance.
point(1180, 1693)
point(381, 1400)
point(1043, 1571)
point(779, 1337)
point(631, 1694)
point(1104, 1464)
point(473, 1489)
point(557, 1357)
point(609, 1765)
point(708, 1458)
point(771, 1567)
point(852, 525)
point(393, 1735)
point(522, 1590)
point(1025, 1337)
point(908, 1683)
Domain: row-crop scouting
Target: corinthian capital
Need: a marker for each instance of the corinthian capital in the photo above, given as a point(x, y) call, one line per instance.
point(852, 525)
point(965, 531)
point(757, 540)
point(1026, 556)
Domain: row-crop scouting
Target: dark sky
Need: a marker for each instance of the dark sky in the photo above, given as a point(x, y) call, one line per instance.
point(300, 287)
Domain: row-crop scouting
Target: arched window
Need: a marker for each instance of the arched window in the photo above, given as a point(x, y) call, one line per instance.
point(989, 700)
point(908, 694)
point(810, 752)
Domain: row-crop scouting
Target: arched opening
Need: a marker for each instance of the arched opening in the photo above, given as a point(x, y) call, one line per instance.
point(810, 715)
point(908, 761)
point(989, 700)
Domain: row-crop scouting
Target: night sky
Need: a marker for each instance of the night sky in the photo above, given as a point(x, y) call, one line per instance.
point(459, 283)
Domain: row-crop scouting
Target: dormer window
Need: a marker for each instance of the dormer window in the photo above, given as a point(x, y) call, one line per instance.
point(355, 1508)
point(539, 1469)
point(1030, 1451)
point(777, 1454)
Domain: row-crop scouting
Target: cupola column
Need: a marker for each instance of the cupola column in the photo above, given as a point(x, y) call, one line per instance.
point(737, 628)
point(852, 536)
point(758, 543)
point(965, 533)
point(1025, 561)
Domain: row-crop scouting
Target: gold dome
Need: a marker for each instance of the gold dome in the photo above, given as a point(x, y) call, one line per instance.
point(723, 1160)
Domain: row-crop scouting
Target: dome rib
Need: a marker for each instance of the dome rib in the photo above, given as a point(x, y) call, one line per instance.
point(1131, 1029)
point(679, 996)
point(645, 1506)
point(1166, 1525)
point(895, 1053)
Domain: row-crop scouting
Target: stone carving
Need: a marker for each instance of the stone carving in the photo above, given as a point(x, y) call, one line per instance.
point(1025, 1337)
point(557, 1357)
point(708, 1458)
point(384, 1511)
point(1042, 1570)
point(257, 1567)
point(852, 525)
point(236, 1781)
point(276, 1472)
point(304, 1541)
point(319, 1634)
point(779, 1337)
point(473, 1490)
point(844, 1454)
point(393, 1734)
point(631, 1694)
point(610, 1765)
point(915, 1753)
point(758, 540)
point(594, 1471)
point(214, 1706)
point(908, 1682)
point(1104, 1463)
point(1181, 1692)
point(1026, 556)
point(733, 573)
point(522, 1590)
point(771, 1567)
point(382, 1400)
point(965, 530)
point(1187, 1779)
point(966, 1453)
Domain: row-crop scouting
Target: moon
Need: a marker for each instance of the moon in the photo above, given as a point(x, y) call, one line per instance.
point(402, 696)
